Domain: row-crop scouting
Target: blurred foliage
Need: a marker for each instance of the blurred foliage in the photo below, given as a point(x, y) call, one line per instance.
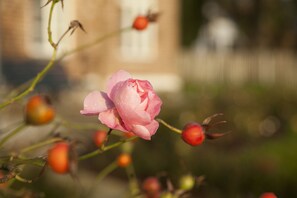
point(257, 156)
point(262, 23)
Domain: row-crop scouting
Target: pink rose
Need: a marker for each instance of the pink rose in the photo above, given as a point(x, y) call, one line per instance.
point(129, 105)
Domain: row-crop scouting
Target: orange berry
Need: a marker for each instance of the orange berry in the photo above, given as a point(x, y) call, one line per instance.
point(100, 137)
point(140, 23)
point(124, 160)
point(38, 111)
point(58, 158)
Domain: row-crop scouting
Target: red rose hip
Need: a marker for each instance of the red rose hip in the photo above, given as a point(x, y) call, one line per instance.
point(193, 134)
point(38, 111)
point(100, 137)
point(268, 195)
point(58, 158)
point(151, 185)
point(140, 23)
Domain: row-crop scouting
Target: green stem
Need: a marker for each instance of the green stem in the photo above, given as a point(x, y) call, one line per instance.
point(96, 41)
point(172, 128)
point(133, 183)
point(107, 170)
point(99, 151)
point(49, 31)
point(106, 139)
point(41, 74)
point(32, 86)
point(78, 126)
point(19, 161)
point(13, 133)
point(40, 144)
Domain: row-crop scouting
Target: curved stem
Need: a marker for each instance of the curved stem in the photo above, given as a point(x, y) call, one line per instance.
point(49, 31)
point(21, 160)
point(40, 144)
point(13, 133)
point(41, 74)
point(96, 41)
point(133, 183)
point(32, 86)
point(107, 170)
point(99, 151)
point(106, 139)
point(172, 128)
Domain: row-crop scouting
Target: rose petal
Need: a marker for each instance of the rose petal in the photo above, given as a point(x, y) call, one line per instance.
point(154, 105)
point(153, 127)
point(112, 119)
point(127, 103)
point(147, 131)
point(141, 131)
point(117, 77)
point(96, 102)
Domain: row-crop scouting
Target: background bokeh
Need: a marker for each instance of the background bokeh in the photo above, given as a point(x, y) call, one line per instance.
point(236, 57)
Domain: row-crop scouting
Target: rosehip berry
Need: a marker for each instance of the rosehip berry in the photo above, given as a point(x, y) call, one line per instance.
point(186, 182)
point(140, 23)
point(268, 195)
point(58, 158)
point(100, 137)
point(38, 111)
point(193, 134)
point(151, 186)
point(124, 160)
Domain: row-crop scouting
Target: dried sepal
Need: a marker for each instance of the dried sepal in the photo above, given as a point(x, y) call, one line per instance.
point(56, 1)
point(74, 24)
point(213, 136)
point(207, 120)
point(152, 16)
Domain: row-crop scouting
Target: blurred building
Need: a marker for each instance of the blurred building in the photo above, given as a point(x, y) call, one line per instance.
point(153, 52)
point(220, 34)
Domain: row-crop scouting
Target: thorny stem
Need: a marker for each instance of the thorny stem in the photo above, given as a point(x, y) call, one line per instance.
point(172, 128)
point(13, 133)
point(99, 151)
point(49, 31)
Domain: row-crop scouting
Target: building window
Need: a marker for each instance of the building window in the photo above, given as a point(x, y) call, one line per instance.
point(137, 45)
